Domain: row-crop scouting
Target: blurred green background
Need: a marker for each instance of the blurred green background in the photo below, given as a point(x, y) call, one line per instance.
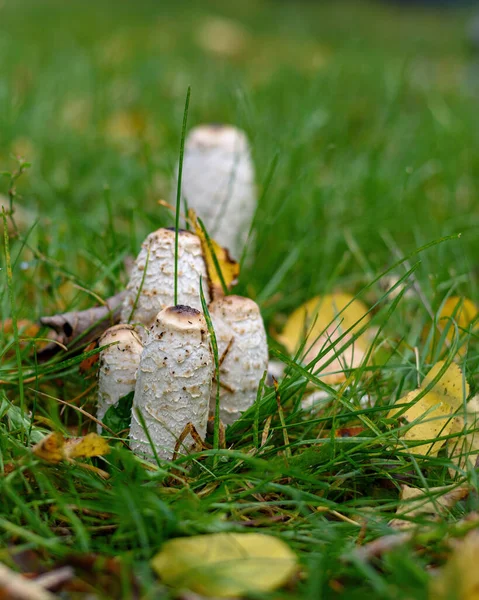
point(363, 116)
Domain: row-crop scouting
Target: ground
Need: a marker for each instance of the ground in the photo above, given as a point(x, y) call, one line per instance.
point(362, 119)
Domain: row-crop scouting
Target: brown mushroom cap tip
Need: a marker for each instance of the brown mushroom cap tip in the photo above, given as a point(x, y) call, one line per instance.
point(180, 318)
point(119, 333)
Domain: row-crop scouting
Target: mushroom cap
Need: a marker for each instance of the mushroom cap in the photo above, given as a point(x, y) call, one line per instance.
point(180, 319)
point(166, 236)
point(226, 137)
point(233, 308)
point(124, 334)
point(152, 279)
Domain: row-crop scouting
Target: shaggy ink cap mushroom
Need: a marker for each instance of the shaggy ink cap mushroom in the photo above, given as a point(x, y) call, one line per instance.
point(218, 183)
point(119, 363)
point(242, 344)
point(174, 381)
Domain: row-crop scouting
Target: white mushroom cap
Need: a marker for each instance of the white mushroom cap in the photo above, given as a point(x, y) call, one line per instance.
point(218, 183)
point(238, 319)
point(174, 381)
point(157, 256)
point(118, 366)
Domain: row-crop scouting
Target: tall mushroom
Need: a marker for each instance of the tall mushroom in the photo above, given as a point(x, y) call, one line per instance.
point(174, 381)
point(218, 183)
point(152, 279)
point(119, 363)
point(243, 350)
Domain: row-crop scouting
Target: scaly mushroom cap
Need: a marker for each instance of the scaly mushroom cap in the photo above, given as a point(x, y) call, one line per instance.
point(238, 324)
point(218, 183)
point(174, 381)
point(118, 366)
point(150, 292)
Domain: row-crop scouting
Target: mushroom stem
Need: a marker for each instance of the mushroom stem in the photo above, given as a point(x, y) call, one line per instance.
point(243, 352)
point(174, 381)
point(118, 366)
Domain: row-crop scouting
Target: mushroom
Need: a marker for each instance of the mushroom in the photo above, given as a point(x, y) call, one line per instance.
point(174, 381)
point(118, 366)
point(242, 351)
point(218, 183)
point(149, 292)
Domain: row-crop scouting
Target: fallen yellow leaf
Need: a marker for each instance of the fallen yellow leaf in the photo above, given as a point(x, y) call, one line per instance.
point(51, 448)
point(463, 450)
point(459, 578)
point(460, 310)
point(86, 447)
point(431, 503)
point(321, 322)
point(54, 448)
point(228, 267)
point(432, 414)
point(226, 565)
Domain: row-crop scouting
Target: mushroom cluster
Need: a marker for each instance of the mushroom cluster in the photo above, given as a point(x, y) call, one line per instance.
point(162, 351)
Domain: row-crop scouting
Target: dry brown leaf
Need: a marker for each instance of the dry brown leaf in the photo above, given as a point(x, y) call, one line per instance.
point(322, 321)
point(54, 448)
point(228, 266)
point(433, 502)
point(87, 324)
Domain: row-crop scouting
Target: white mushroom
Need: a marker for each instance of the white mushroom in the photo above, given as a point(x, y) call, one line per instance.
point(174, 381)
point(118, 366)
point(243, 349)
point(218, 183)
point(149, 292)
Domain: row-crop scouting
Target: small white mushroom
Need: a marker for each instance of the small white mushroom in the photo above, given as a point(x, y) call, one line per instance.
point(218, 183)
point(174, 381)
point(243, 350)
point(118, 366)
point(149, 292)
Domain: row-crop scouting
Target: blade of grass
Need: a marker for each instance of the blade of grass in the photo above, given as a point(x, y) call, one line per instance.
point(178, 190)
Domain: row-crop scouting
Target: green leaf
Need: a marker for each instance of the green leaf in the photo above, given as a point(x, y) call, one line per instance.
point(118, 416)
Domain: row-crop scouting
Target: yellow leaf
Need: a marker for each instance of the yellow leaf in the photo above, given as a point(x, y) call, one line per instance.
point(417, 502)
point(228, 267)
point(226, 564)
point(54, 448)
point(51, 448)
point(460, 310)
point(463, 450)
point(432, 414)
point(459, 578)
point(86, 447)
point(322, 321)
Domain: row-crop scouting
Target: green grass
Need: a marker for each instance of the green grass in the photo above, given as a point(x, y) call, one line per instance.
point(363, 123)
